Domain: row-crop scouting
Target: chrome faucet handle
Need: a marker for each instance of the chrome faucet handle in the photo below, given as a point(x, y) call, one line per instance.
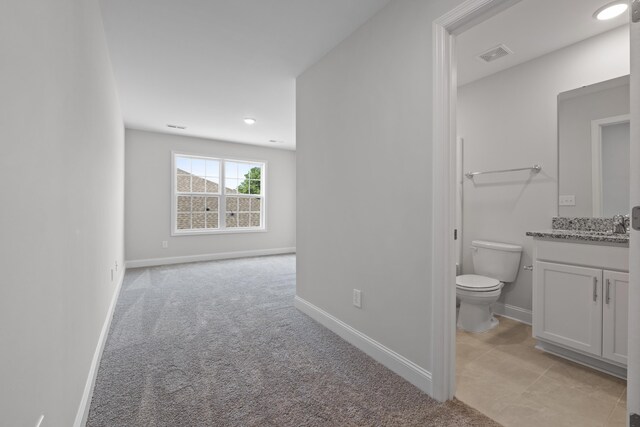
point(619, 224)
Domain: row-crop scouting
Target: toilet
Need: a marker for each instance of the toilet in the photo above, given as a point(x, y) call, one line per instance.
point(494, 264)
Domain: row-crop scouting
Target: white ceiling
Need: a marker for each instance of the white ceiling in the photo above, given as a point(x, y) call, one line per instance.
point(530, 28)
point(207, 64)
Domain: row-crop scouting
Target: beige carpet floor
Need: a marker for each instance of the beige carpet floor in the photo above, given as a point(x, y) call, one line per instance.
point(220, 344)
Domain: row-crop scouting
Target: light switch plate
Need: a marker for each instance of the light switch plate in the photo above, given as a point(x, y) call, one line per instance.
point(567, 200)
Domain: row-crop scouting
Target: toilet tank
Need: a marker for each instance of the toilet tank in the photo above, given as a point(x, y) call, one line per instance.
point(496, 260)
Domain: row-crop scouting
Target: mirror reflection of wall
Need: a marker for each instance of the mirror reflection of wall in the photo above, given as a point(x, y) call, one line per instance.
point(614, 160)
point(593, 147)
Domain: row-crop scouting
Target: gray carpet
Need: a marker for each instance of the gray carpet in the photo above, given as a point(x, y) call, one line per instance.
point(220, 344)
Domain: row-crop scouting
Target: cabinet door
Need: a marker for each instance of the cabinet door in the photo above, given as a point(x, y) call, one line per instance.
point(567, 306)
point(615, 316)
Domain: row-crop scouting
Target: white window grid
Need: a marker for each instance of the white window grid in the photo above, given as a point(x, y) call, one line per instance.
point(222, 195)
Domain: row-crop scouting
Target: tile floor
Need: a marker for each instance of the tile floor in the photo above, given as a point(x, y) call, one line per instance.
point(501, 374)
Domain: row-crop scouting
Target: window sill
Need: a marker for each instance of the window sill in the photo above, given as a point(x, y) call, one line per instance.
point(175, 233)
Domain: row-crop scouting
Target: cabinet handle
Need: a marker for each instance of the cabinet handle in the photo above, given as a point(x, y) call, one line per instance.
point(608, 297)
point(595, 289)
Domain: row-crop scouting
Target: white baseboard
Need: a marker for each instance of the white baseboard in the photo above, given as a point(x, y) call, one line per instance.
point(152, 262)
point(85, 402)
point(402, 366)
point(512, 312)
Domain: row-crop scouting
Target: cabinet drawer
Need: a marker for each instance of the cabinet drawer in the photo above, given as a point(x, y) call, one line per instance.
point(592, 255)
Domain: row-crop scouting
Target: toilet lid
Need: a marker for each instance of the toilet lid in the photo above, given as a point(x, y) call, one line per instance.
point(476, 282)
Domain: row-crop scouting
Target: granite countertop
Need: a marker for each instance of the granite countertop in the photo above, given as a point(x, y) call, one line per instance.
point(582, 235)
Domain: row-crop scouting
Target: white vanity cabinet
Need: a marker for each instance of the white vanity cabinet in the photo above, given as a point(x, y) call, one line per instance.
point(580, 302)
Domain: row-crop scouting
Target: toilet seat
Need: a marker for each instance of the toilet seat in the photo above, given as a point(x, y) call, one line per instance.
point(477, 283)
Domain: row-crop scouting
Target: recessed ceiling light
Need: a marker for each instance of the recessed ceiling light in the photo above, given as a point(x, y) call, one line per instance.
point(250, 120)
point(177, 127)
point(611, 10)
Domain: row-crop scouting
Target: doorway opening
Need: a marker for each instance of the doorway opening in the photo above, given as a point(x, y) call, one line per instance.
point(499, 113)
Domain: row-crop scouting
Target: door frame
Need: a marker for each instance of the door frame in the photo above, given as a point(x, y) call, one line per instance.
point(596, 158)
point(633, 357)
point(443, 337)
point(443, 302)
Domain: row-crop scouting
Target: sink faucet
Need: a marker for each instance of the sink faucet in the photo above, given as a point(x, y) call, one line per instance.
point(619, 226)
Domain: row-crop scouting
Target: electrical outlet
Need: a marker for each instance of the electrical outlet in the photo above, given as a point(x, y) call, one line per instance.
point(357, 298)
point(165, 244)
point(567, 200)
point(116, 263)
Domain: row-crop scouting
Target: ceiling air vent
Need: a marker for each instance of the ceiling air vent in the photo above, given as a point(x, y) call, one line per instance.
point(177, 127)
point(495, 53)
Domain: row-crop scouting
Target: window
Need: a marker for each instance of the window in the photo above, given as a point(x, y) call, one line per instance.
point(217, 195)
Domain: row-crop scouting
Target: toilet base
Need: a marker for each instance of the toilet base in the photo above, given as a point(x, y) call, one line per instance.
point(476, 318)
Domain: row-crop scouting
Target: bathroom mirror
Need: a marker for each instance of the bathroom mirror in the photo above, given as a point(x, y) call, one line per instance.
point(593, 150)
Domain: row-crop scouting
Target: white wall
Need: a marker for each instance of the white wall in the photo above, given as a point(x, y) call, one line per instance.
point(509, 120)
point(148, 199)
point(61, 222)
point(575, 114)
point(364, 178)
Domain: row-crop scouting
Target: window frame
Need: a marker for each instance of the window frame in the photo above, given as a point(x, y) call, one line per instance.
point(222, 202)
